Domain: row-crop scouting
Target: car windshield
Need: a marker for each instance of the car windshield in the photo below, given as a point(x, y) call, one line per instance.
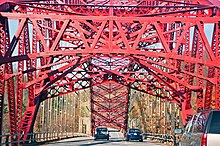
point(134, 131)
point(102, 130)
point(215, 123)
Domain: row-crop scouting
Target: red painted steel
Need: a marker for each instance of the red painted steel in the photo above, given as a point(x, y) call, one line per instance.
point(10, 87)
point(109, 106)
point(2, 72)
point(162, 48)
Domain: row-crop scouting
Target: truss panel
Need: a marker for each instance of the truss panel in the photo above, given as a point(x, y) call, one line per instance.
point(168, 49)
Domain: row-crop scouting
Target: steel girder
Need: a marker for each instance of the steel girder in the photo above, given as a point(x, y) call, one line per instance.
point(162, 48)
point(3, 46)
point(109, 106)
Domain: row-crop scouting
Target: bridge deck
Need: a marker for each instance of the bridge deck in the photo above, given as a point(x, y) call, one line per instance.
point(116, 141)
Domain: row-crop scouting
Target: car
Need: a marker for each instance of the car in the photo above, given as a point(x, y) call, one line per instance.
point(101, 133)
point(134, 134)
point(202, 130)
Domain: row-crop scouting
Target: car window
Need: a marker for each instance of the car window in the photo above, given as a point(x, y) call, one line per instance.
point(191, 124)
point(199, 124)
point(134, 130)
point(188, 125)
point(101, 130)
point(215, 123)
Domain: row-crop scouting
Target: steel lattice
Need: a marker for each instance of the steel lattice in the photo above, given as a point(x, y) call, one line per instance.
point(168, 49)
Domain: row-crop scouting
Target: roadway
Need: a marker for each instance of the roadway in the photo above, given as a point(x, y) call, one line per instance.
point(116, 139)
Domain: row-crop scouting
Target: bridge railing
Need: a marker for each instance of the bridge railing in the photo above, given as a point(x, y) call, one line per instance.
point(37, 137)
point(160, 137)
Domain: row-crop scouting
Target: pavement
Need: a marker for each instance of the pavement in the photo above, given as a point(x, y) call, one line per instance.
point(116, 139)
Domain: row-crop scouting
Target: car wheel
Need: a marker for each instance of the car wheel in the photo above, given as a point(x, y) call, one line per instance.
point(141, 140)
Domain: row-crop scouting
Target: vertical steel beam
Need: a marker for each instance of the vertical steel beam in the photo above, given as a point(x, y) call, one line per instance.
point(195, 46)
point(19, 88)
point(2, 72)
point(127, 107)
point(30, 113)
point(10, 89)
point(216, 49)
point(217, 90)
point(209, 89)
point(92, 109)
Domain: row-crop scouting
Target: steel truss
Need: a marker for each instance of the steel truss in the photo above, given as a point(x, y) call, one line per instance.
point(162, 48)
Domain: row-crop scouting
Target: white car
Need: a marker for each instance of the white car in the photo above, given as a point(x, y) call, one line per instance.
point(202, 130)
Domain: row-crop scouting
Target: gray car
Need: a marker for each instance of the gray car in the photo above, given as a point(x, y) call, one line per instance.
point(202, 130)
point(101, 133)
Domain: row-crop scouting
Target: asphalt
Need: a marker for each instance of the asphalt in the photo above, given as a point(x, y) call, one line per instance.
point(116, 139)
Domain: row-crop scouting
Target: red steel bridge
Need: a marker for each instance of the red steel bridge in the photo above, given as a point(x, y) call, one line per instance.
point(165, 48)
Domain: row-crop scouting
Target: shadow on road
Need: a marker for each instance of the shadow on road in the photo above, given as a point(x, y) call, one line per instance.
point(94, 142)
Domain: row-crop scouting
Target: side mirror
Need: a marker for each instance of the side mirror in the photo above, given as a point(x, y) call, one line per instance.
point(178, 131)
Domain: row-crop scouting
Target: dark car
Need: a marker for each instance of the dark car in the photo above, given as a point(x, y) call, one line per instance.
point(134, 134)
point(202, 130)
point(101, 133)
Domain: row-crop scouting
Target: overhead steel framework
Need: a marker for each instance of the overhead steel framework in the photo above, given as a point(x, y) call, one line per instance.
point(166, 48)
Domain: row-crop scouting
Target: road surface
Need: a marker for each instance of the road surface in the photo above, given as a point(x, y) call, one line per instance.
point(116, 139)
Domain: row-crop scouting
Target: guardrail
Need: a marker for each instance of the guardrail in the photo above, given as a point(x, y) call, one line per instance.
point(37, 137)
point(160, 137)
